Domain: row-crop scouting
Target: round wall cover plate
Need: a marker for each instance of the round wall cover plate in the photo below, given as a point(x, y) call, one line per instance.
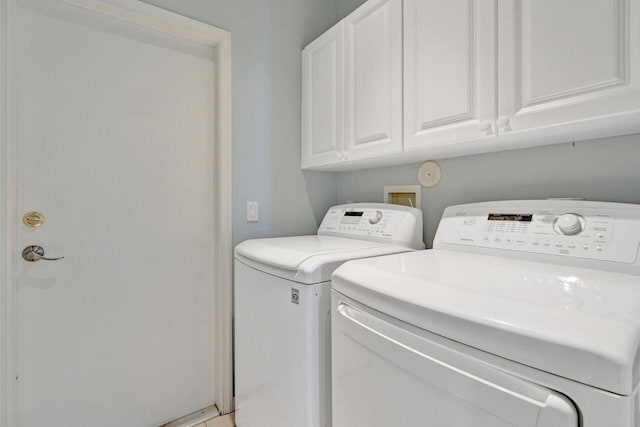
point(429, 174)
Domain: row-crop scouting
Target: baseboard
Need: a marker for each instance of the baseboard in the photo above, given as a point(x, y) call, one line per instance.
point(196, 418)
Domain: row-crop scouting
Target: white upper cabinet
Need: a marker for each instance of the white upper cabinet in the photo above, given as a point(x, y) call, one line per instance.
point(322, 105)
point(421, 79)
point(373, 80)
point(567, 63)
point(449, 71)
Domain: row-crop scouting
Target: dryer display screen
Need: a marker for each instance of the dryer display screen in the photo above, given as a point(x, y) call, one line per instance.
point(511, 217)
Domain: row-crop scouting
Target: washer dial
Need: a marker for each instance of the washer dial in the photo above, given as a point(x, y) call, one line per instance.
point(376, 219)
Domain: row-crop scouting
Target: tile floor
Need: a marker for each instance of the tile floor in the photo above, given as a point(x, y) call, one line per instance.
point(223, 421)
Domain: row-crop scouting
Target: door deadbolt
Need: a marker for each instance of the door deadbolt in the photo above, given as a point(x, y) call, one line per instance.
point(33, 219)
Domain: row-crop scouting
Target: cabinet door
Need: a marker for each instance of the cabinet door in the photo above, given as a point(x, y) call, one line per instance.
point(450, 71)
point(322, 102)
point(373, 79)
point(566, 62)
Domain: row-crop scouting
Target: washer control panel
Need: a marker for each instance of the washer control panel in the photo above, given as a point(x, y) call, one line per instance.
point(363, 221)
point(375, 221)
point(593, 230)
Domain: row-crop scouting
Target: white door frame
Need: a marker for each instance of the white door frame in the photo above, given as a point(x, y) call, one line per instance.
point(157, 19)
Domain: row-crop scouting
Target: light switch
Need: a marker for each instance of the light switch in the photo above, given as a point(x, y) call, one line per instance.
point(252, 212)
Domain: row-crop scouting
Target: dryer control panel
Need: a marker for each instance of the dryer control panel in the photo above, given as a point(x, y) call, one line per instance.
point(580, 229)
point(375, 221)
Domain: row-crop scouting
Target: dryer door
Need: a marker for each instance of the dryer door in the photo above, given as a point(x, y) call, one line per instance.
point(384, 375)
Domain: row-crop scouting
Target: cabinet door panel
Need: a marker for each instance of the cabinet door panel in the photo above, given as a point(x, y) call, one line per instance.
point(566, 61)
point(322, 104)
point(373, 79)
point(450, 73)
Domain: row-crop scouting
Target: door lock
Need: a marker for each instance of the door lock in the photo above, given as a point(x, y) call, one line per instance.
point(33, 219)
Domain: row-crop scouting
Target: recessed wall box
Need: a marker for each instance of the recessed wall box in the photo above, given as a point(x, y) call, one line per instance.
point(406, 195)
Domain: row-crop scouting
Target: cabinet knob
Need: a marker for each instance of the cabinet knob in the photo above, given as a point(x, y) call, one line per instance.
point(504, 123)
point(486, 127)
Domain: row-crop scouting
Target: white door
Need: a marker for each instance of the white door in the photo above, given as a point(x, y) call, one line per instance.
point(450, 71)
point(387, 374)
point(322, 99)
point(373, 79)
point(562, 62)
point(115, 147)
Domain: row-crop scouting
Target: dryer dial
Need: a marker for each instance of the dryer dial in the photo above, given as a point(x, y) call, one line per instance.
point(570, 224)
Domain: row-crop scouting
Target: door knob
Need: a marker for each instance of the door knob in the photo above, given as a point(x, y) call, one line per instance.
point(35, 253)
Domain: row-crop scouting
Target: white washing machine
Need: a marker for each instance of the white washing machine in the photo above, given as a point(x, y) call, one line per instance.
point(282, 310)
point(525, 313)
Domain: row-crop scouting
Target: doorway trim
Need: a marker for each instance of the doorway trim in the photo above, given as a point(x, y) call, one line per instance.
point(163, 21)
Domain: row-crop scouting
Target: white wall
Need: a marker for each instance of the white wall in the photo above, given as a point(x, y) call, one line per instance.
point(606, 169)
point(267, 40)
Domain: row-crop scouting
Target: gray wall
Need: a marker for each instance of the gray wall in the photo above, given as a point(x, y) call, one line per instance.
point(606, 170)
point(267, 39)
point(345, 7)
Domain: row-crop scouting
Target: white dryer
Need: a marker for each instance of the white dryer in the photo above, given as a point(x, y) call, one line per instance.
point(525, 313)
point(282, 310)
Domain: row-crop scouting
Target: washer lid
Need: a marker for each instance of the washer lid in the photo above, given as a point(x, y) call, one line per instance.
point(577, 323)
point(307, 259)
